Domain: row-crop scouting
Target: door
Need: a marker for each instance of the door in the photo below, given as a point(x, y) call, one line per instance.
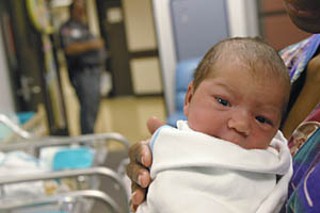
point(195, 32)
point(112, 27)
point(32, 64)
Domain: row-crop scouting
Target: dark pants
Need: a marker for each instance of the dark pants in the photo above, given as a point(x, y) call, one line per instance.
point(86, 83)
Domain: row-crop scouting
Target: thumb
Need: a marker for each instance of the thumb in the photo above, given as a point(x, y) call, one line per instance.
point(154, 123)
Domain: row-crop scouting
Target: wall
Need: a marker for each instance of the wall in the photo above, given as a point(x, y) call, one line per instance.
point(92, 17)
point(6, 100)
point(141, 39)
point(139, 25)
point(242, 22)
point(276, 25)
point(194, 34)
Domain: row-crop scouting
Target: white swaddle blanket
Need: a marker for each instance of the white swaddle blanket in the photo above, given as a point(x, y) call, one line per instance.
point(193, 172)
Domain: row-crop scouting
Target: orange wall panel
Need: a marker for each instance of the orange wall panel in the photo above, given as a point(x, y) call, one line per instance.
point(280, 32)
point(271, 5)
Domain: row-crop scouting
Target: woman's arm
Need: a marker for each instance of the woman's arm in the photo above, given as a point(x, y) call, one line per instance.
point(308, 98)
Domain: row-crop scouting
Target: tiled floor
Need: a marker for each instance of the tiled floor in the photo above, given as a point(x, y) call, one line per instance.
point(125, 115)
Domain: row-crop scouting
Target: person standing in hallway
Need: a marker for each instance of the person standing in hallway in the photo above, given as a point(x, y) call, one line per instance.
point(85, 56)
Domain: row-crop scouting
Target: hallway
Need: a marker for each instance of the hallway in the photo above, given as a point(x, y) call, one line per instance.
point(125, 115)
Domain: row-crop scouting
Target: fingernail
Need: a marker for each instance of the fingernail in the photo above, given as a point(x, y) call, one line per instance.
point(133, 198)
point(140, 178)
point(142, 160)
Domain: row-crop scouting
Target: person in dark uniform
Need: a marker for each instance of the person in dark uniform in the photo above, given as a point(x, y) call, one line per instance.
point(85, 58)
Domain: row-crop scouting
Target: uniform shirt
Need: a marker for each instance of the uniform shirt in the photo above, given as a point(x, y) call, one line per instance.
point(74, 31)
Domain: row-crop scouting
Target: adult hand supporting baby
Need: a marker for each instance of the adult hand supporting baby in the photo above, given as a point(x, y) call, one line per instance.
point(140, 160)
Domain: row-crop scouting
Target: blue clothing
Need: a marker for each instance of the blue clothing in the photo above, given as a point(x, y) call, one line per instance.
point(87, 87)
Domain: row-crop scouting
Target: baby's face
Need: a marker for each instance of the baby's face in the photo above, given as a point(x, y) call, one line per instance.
point(234, 105)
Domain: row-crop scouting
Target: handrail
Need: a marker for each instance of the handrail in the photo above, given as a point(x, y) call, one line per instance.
point(63, 140)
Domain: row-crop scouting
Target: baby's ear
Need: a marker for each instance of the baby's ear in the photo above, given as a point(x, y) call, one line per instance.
point(187, 99)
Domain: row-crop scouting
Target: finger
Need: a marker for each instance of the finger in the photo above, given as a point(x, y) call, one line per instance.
point(133, 208)
point(140, 153)
point(138, 196)
point(138, 175)
point(154, 123)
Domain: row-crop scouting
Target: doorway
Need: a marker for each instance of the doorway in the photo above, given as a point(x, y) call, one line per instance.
point(112, 29)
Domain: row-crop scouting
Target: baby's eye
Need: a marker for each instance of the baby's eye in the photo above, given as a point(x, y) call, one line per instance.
point(263, 120)
point(223, 101)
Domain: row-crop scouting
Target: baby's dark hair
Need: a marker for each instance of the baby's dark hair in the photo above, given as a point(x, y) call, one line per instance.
point(250, 51)
point(263, 61)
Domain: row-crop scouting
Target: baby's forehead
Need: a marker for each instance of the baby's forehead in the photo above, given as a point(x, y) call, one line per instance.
point(254, 67)
point(260, 74)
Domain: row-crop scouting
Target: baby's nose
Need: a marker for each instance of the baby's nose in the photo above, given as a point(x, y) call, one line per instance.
point(240, 121)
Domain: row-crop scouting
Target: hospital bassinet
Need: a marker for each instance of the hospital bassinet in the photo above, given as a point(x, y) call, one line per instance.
point(87, 175)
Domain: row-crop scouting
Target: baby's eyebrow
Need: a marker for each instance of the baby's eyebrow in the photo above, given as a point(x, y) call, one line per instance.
point(224, 86)
point(268, 106)
point(270, 111)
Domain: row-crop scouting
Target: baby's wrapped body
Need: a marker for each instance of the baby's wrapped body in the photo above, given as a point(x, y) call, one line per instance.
point(194, 172)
